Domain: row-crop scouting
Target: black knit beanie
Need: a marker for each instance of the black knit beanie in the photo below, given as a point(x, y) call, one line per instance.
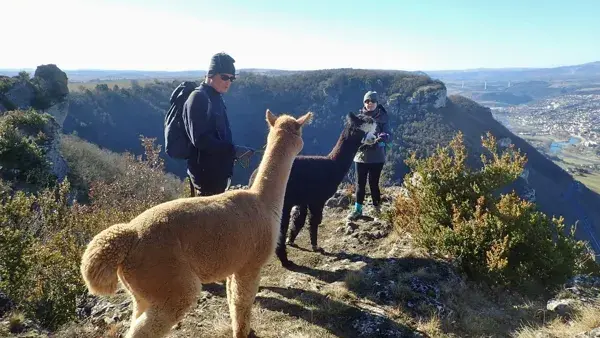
point(371, 95)
point(221, 63)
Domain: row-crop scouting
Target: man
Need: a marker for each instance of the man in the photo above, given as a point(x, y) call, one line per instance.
point(210, 166)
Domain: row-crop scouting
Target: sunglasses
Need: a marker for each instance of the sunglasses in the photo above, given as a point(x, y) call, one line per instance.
point(367, 101)
point(227, 77)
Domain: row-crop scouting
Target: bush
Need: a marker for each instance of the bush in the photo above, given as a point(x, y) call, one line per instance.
point(142, 185)
point(43, 235)
point(23, 140)
point(92, 167)
point(6, 83)
point(454, 211)
point(41, 246)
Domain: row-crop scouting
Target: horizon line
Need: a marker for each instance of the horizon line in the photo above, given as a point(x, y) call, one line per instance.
point(308, 70)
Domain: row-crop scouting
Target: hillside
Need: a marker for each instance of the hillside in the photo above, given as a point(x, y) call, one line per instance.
point(421, 115)
point(505, 87)
point(582, 71)
point(113, 117)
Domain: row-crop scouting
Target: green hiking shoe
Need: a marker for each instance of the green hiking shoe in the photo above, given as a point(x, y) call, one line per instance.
point(354, 215)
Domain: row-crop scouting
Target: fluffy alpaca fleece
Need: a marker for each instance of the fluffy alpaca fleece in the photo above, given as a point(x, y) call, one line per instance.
point(164, 254)
point(314, 179)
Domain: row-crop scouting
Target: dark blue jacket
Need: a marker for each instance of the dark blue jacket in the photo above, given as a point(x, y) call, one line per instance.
point(376, 153)
point(207, 126)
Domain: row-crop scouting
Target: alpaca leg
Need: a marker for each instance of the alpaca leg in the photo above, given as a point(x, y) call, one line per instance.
point(140, 305)
point(298, 219)
point(243, 287)
point(316, 216)
point(155, 322)
point(163, 311)
point(280, 250)
point(228, 283)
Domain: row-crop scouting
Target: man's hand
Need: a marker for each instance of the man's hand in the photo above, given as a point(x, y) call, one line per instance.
point(243, 155)
point(243, 151)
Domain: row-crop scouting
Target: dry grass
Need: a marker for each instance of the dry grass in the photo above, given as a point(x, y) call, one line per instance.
point(16, 321)
point(77, 330)
point(470, 309)
point(586, 318)
point(432, 327)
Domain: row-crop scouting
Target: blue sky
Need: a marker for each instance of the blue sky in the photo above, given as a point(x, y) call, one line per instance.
point(311, 34)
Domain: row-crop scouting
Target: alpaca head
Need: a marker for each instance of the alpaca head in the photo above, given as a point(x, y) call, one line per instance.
point(289, 128)
point(360, 128)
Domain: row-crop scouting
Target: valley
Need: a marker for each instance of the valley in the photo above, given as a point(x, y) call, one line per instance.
point(565, 128)
point(556, 112)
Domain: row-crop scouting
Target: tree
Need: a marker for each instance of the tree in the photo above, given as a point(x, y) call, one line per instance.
point(23, 76)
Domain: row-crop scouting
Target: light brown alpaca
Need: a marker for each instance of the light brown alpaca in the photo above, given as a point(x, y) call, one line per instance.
point(163, 255)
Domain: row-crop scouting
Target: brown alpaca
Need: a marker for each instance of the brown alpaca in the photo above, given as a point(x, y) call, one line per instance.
point(164, 255)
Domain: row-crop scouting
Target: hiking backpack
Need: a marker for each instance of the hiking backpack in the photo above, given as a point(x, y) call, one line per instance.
point(177, 143)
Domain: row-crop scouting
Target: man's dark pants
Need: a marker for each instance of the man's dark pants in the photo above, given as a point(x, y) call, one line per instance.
point(207, 186)
point(210, 175)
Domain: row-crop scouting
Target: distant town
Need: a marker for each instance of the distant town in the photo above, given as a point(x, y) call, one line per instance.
point(566, 128)
point(561, 118)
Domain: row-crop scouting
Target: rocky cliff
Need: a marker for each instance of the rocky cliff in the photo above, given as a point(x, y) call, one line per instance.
point(429, 97)
point(53, 155)
point(46, 92)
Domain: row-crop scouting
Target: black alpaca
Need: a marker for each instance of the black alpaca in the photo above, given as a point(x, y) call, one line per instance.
point(315, 179)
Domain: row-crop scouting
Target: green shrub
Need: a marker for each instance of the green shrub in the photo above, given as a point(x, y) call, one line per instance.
point(23, 140)
point(6, 83)
point(454, 211)
point(43, 235)
point(5, 189)
point(39, 267)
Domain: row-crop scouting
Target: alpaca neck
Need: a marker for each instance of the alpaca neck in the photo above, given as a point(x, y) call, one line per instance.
point(274, 171)
point(343, 153)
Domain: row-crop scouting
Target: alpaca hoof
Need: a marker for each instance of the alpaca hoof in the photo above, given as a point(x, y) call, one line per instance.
point(291, 243)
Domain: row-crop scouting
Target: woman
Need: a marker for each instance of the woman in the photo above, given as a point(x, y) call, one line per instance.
point(370, 158)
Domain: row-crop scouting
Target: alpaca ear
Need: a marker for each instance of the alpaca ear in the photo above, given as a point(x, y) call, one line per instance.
point(305, 119)
point(271, 118)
